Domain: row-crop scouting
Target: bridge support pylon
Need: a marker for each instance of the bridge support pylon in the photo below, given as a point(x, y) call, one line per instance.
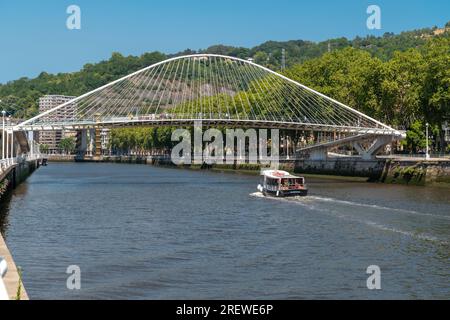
point(370, 152)
point(319, 154)
point(81, 142)
point(98, 142)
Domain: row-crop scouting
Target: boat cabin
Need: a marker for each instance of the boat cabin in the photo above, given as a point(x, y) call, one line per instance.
point(282, 183)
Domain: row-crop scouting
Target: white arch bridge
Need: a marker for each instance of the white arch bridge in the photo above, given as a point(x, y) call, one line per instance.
point(220, 91)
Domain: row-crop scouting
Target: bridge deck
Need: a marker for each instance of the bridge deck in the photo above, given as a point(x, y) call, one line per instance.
point(208, 122)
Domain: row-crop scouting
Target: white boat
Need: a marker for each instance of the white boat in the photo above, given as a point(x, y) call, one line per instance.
point(280, 183)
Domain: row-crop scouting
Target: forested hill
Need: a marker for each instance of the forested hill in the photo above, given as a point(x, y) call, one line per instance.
point(20, 97)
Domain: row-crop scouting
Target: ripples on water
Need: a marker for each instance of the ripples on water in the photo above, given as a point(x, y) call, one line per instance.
point(140, 232)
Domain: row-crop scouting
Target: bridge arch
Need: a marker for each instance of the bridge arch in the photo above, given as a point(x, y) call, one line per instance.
point(214, 88)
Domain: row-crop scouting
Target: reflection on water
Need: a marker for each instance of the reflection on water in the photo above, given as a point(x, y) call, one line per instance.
point(140, 232)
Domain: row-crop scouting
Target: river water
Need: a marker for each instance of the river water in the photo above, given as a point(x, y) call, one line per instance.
point(143, 232)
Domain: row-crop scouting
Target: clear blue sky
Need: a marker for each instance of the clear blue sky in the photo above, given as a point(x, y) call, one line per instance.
point(34, 37)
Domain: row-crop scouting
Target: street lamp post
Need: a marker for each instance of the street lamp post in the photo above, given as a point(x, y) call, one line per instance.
point(3, 135)
point(7, 141)
point(12, 145)
point(12, 140)
point(427, 155)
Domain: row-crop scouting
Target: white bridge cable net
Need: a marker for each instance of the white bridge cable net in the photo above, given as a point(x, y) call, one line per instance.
point(215, 88)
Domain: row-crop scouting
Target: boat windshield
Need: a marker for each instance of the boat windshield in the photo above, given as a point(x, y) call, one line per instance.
point(291, 182)
point(272, 182)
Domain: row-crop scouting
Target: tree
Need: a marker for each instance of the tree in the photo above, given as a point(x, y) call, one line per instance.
point(415, 137)
point(261, 58)
point(401, 88)
point(436, 93)
point(67, 145)
point(44, 148)
point(350, 76)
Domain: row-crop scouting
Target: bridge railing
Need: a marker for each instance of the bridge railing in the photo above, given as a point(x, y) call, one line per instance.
point(34, 156)
point(3, 165)
point(3, 270)
point(6, 163)
point(416, 156)
point(205, 116)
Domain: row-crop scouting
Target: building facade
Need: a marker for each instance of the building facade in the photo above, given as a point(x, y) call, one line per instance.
point(52, 138)
point(105, 139)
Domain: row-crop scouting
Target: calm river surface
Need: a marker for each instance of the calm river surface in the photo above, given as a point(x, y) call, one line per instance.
point(142, 232)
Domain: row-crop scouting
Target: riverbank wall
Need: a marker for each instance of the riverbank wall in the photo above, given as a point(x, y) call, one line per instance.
point(347, 167)
point(10, 177)
point(417, 172)
point(106, 159)
point(15, 174)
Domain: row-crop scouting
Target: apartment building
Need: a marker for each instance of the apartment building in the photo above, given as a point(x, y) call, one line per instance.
point(53, 138)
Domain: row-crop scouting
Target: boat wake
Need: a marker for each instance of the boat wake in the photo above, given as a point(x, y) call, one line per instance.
point(257, 195)
point(374, 206)
point(310, 199)
point(313, 203)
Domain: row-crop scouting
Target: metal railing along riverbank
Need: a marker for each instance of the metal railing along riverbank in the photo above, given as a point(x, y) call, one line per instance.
point(439, 157)
point(5, 164)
